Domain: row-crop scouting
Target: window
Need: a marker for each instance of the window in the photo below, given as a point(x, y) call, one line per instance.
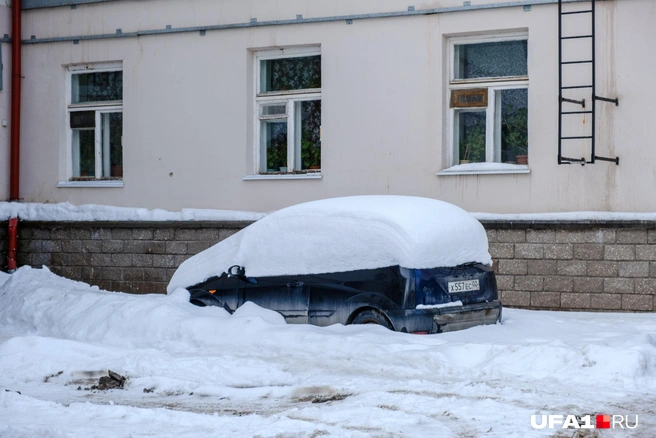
point(288, 102)
point(95, 120)
point(488, 99)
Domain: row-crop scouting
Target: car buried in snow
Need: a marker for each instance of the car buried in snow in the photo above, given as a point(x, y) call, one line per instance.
point(410, 264)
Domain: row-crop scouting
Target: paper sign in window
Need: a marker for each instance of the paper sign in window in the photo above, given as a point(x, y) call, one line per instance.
point(472, 98)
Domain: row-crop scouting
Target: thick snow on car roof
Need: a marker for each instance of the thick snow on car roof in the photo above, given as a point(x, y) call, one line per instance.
point(345, 234)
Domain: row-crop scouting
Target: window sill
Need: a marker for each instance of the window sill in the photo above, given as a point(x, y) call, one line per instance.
point(485, 169)
point(98, 184)
point(313, 175)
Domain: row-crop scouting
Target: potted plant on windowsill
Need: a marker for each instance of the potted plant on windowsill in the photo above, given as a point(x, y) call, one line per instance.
point(310, 155)
point(472, 145)
point(521, 159)
point(514, 134)
point(116, 161)
point(277, 158)
point(87, 167)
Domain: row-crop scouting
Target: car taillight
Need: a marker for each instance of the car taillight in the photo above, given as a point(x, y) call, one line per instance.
point(419, 333)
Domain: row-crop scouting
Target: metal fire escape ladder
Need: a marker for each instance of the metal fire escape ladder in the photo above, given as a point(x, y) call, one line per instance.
point(563, 90)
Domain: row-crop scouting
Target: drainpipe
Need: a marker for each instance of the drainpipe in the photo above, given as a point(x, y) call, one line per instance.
point(14, 162)
point(13, 244)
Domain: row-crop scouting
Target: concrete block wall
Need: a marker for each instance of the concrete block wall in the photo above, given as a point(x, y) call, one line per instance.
point(129, 257)
point(575, 266)
point(594, 265)
point(3, 245)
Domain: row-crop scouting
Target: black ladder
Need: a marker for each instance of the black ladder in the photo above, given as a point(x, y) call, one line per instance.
point(563, 100)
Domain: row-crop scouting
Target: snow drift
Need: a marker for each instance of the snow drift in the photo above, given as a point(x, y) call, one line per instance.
point(195, 370)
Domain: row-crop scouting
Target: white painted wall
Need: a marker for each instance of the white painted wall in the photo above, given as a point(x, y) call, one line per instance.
point(5, 102)
point(188, 105)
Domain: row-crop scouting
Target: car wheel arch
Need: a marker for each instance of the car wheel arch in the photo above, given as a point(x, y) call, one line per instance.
point(368, 308)
point(374, 300)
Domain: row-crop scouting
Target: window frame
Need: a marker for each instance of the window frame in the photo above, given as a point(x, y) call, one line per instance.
point(99, 108)
point(289, 98)
point(494, 85)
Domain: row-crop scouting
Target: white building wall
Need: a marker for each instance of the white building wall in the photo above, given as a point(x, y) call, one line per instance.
point(5, 103)
point(188, 105)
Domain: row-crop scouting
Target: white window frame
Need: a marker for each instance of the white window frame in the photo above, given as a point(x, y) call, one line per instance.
point(99, 108)
point(290, 99)
point(493, 110)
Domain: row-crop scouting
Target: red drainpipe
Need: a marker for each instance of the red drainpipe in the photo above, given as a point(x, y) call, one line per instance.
point(13, 244)
point(14, 164)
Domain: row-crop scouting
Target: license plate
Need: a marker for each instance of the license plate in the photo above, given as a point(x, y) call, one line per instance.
point(463, 286)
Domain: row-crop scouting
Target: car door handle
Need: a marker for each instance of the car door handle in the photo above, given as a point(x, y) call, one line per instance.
point(295, 284)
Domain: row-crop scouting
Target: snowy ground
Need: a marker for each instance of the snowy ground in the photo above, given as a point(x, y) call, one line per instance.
point(200, 372)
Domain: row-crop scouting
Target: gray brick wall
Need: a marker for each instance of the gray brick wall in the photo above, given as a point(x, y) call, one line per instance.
point(3, 245)
point(129, 257)
point(575, 266)
point(567, 266)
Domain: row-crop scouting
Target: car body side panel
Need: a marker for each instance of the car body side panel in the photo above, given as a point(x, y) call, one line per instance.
point(290, 299)
point(336, 298)
point(336, 304)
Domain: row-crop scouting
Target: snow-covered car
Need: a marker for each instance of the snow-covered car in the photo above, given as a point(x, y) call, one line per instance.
point(410, 264)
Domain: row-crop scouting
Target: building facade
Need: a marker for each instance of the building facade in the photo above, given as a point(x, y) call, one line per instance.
point(257, 105)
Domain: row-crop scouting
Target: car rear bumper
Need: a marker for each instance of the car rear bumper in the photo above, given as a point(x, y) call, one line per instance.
point(458, 318)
